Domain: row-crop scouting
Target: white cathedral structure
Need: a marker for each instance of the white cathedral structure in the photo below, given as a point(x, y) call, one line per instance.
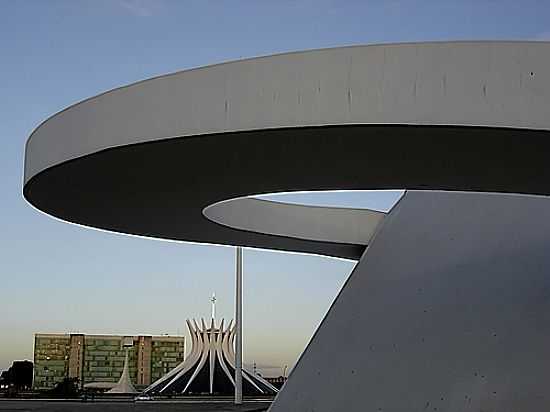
point(210, 366)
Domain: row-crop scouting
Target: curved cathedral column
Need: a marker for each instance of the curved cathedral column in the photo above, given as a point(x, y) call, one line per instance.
point(210, 366)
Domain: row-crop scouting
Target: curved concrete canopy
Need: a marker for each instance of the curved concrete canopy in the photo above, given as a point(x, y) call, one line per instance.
point(324, 224)
point(448, 308)
point(148, 158)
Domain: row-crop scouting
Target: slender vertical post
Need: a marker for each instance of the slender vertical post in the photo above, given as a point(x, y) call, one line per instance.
point(239, 328)
point(213, 300)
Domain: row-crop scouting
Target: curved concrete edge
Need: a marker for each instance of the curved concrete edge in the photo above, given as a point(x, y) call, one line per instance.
point(326, 224)
point(459, 321)
point(160, 189)
point(494, 84)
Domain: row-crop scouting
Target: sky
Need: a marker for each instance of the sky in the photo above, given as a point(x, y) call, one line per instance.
point(57, 277)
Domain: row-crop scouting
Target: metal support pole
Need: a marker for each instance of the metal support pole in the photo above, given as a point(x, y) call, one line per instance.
point(239, 328)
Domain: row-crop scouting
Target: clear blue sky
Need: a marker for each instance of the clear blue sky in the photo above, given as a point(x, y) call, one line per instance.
point(55, 277)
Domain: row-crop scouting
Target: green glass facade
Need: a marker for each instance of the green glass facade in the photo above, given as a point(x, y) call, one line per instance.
point(100, 358)
point(165, 356)
point(51, 360)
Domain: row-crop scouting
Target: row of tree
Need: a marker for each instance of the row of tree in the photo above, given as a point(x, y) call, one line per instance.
point(18, 376)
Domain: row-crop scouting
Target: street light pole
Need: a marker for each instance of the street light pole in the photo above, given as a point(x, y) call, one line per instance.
point(239, 328)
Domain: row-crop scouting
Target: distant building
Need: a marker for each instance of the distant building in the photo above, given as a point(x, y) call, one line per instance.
point(278, 382)
point(100, 358)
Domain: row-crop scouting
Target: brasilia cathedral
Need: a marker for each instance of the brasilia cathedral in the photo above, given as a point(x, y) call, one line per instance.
point(210, 366)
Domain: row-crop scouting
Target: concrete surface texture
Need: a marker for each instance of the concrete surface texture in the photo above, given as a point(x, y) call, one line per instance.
point(448, 310)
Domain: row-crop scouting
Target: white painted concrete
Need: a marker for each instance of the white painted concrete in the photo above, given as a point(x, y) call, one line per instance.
point(449, 307)
point(448, 310)
point(504, 84)
point(332, 224)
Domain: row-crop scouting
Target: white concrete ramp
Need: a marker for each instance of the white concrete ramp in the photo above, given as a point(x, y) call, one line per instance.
point(448, 310)
point(449, 307)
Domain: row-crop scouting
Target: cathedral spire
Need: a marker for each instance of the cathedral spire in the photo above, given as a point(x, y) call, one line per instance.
point(213, 300)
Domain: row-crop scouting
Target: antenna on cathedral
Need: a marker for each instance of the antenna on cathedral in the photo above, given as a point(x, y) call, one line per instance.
point(213, 300)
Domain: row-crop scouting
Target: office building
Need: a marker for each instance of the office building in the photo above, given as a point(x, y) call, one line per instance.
point(100, 358)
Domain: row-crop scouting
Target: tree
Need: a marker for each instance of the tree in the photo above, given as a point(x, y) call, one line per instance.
point(4, 379)
point(67, 388)
point(19, 375)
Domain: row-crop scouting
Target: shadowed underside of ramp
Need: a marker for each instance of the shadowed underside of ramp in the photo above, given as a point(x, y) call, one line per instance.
point(151, 158)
